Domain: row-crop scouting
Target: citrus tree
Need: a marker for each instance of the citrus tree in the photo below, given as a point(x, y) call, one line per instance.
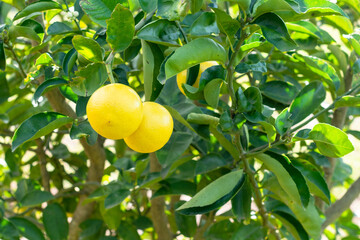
point(262, 97)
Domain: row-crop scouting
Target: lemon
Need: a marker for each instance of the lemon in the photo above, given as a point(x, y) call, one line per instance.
point(115, 111)
point(154, 131)
point(181, 77)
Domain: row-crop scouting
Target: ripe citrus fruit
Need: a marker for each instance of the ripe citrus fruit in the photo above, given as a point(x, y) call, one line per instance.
point(115, 111)
point(154, 130)
point(181, 77)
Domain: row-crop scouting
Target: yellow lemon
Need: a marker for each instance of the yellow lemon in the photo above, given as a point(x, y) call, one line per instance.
point(154, 131)
point(181, 77)
point(115, 111)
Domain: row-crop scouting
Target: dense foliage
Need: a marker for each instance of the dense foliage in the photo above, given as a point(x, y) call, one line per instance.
point(257, 146)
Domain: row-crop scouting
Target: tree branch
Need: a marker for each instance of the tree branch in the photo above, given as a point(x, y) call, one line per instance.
point(157, 210)
point(45, 178)
point(336, 209)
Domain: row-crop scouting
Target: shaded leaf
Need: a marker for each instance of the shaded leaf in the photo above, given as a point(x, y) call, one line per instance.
point(204, 25)
point(27, 228)
point(88, 48)
point(84, 129)
point(161, 31)
point(47, 85)
point(55, 222)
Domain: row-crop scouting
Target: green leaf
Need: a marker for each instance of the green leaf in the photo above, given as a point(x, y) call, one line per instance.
point(204, 25)
point(315, 181)
point(177, 116)
point(270, 131)
point(115, 198)
point(197, 51)
point(186, 224)
point(84, 129)
point(283, 122)
point(214, 195)
point(88, 48)
point(226, 24)
point(323, 69)
point(175, 187)
point(279, 91)
point(55, 222)
point(148, 5)
point(209, 163)
point(2, 56)
point(99, 10)
point(290, 178)
point(254, 98)
point(20, 31)
point(89, 79)
point(241, 202)
point(331, 141)
point(174, 148)
point(44, 59)
point(254, 41)
point(152, 59)
point(304, 27)
point(120, 28)
point(348, 101)
point(292, 225)
point(27, 228)
point(59, 28)
point(37, 126)
point(161, 31)
point(47, 85)
point(170, 10)
point(354, 40)
point(275, 31)
point(36, 197)
point(307, 216)
point(256, 67)
point(69, 61)
point(39, 6)
point(4, 88)
point(342, 23)
point(212, 92)
point(128, 231)
point(307, 101)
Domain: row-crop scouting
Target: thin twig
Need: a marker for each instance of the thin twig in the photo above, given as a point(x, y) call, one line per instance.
point(144, 20)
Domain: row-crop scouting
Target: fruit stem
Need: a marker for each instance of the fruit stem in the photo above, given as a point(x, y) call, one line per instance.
point(108, 65)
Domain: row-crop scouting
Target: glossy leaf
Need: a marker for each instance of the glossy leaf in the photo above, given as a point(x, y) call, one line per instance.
point(256, 67)
point(115, 198)
point(209, 163)
point(161, 31)
point(35, 198)
point(148, 5)
point(177, 116)
point(303, 214)
point(323, 69)
point(354, 40)
point(290, 178)
point(99, 10)
point(241, 202)
point(84, 129)
point(331, 141)
point(89, 79)
point(275, 31)
point(176, 188)
point(59, 28)
point(348, 101)
point(120, 28)
point(315, 181)
point(214, 195)
point(39, 6)
point(37, 126)
point(170, 10)
point(69, 61)
point(292, 224)
point(307, 101)
point(88, 48)
point(4, 88)
point(270, 131)
point(20, 31)
point(226, 24)
point(47, 85)
point(177, 144)
point(204, 25)
point(279, 91)
point(283, 122)
point(27, 228)
point(2, 57)
point(212, 91)
point(197, 51)
point(152, 59)
point(55, 222)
